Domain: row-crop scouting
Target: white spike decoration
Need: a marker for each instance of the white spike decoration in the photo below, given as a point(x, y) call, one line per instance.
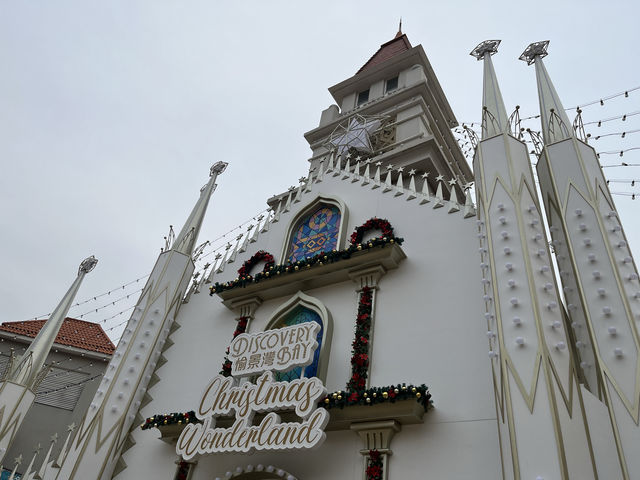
point(337, 165)
point(65, 445)
point(309, 184)
point(376, 176)
point(453, 197)
point(412, 185)
point(469, 207)
point(256, 232)
point(276, 214)
point(388, 184)
point(332, 160)
point(425, 195)
point(346, 173)
point(321, 171)
point(367, 174)
point(45, 463)
point(103, 431)
point(15, 468)
point(356, 173)
point(399, 183)
point(439, 197)
point(287, 206)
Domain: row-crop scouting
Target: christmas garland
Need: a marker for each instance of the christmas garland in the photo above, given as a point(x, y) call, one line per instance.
point(259, 256)
point(360, 345)
point(289, 267)
point(183, 470)
point(375, 395)
point(375, 467)
point(169, 419)
point(372, 224)
point(241, 327)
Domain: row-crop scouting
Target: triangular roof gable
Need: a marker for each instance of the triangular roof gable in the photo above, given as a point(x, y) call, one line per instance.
point(387, 50)
point(74, 333)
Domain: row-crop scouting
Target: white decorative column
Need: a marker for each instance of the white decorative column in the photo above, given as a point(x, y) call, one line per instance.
point(102, 436)
point(17, 390)
point(600, 278)
point(542, 428)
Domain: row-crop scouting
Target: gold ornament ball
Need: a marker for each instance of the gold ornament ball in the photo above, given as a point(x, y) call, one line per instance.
point(418, 395)
point(359, 247)
point(266, 274)
point(326, 400)
point(391, 241)
point(375, 394)
point(395, 390)
point(368, 400)
point(334, 395)
point(385, 394)
point(339, 397)
point(413, 389)
point(296, 268)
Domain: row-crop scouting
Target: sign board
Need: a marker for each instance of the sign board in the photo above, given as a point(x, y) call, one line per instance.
point(261, 353)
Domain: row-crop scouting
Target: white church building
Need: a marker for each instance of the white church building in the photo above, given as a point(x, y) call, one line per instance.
point(382, 322)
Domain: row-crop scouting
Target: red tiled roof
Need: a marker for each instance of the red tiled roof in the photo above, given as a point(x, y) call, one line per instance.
point(387, 50)
point(74, 333)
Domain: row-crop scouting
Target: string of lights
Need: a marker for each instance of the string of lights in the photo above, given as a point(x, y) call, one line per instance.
point(622, 117)
point(65, 387)
point(614, 134)
point(124, 297)
point(600, 101)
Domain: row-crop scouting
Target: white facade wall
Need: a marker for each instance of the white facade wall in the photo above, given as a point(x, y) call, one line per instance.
point(428, 328)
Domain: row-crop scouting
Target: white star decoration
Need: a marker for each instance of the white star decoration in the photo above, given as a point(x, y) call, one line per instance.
point(356, 133)
point(439, 178)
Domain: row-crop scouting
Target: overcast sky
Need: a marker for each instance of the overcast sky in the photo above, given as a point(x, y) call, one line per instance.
point(112, 112)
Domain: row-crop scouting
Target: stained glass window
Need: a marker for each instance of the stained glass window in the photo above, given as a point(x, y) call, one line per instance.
point(315, 233)
point(298, 315)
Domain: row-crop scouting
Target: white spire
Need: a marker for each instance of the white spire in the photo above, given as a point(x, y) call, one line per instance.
point(494, 115)
point(187, 237)
point(555, 123)
point(27, 369)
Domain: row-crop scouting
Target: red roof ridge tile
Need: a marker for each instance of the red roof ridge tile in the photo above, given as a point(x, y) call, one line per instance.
point(400, 43)
point(73, 332)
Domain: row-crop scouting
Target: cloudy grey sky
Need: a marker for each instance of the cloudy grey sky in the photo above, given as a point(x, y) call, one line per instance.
point(112, 112)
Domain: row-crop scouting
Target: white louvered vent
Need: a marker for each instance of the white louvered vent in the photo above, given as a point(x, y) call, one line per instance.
point(63, 387)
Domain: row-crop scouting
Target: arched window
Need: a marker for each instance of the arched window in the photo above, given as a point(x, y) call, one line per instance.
point(301, 314)
point(302, 308)
point(315, 233)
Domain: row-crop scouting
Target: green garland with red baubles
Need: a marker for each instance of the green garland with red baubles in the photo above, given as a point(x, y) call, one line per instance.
point(271, 269)
point(241, 327)
point(375, 466)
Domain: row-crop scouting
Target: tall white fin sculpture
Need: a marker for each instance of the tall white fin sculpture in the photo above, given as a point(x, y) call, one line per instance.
point(541, 423)
point(95, 452)
point(18, 387)
point(599, 275)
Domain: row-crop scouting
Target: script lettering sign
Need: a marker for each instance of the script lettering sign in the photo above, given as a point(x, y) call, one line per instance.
point(224, 396)
point(280, 349)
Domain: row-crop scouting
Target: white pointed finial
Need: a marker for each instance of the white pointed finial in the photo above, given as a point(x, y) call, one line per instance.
point(26, 370)
point(186, 239)
point(555, 123)
point(494, 115)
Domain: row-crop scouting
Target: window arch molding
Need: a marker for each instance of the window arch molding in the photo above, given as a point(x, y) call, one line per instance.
point(259, 472)
point(307, 210)
point(301, 299)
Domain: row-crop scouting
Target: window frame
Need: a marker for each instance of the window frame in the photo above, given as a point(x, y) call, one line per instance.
point(386, 84)
point(307, 210)
point(358, 102)
point(314, 304)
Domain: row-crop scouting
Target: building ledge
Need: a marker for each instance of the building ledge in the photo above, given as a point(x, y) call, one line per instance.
point(318, 275)
point(405, 411)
